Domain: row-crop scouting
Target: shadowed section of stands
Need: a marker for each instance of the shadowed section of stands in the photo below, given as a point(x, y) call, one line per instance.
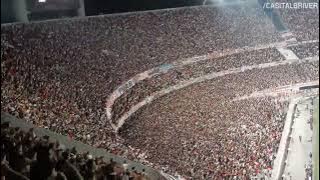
point(309, 87)
point(65, 144)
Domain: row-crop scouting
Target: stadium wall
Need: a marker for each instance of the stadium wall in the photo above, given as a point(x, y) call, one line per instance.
point(315, 143)
point(279, 162)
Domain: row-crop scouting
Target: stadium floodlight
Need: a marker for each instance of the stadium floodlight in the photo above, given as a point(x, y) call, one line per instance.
point(42, 1)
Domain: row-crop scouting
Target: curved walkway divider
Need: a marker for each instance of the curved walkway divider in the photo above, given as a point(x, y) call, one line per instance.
point(200, 79)
point(290, 90)
point(162, 69)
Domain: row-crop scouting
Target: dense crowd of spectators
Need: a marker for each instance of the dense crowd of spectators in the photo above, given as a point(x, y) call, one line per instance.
point(58, 74)
point(174, 76)
point(205, 144)
point(198, 120)
point(306, 50)
point(303, 22)
point(177, 75)
point(66, 69)
point(24, 156)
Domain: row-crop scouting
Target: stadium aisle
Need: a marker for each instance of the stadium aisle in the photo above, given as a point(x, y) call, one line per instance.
point(300, 147)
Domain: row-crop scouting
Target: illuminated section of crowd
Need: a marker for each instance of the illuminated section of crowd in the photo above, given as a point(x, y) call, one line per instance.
point(58, 75)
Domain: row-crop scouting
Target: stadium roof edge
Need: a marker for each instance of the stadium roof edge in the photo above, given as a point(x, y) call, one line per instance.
point(124, 13)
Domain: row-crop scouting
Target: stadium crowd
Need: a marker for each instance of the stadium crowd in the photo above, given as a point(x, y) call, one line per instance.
point(303, 22)
point(209, 145)
point(306, 50)
point(24, 156)
point(58, 70)
point(177, 75)
point(58, 74)
point(197, 131)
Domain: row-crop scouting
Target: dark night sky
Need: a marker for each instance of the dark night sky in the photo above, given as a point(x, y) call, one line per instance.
point(95, 7)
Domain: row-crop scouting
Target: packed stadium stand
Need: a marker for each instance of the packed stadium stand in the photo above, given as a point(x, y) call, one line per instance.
point(167, 88)
point(31, 152)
